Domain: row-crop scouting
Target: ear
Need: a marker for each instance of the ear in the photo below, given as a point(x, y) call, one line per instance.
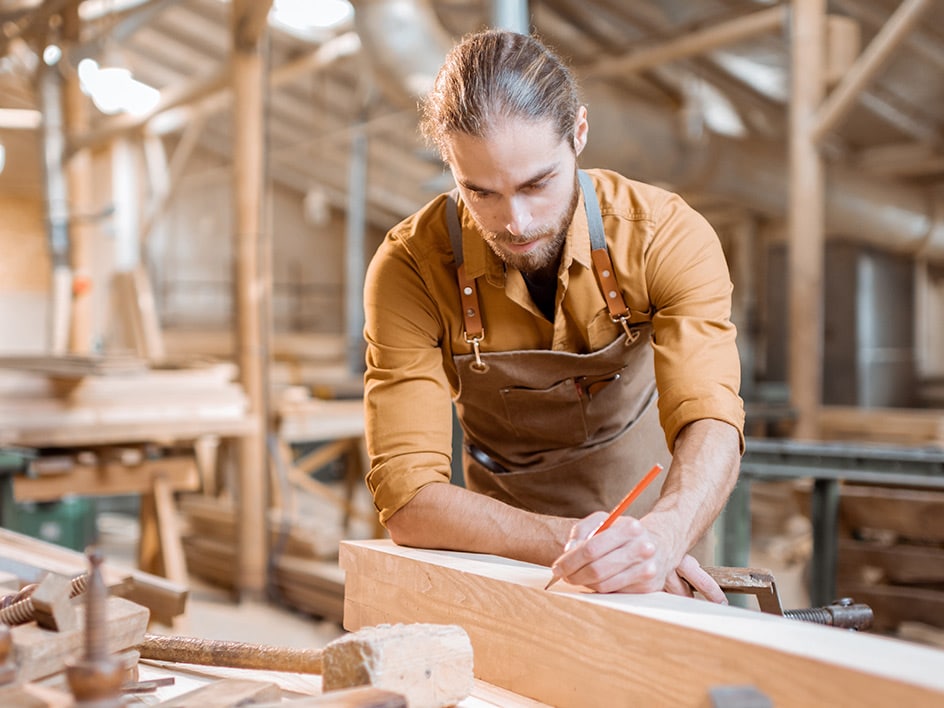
point(581, 128)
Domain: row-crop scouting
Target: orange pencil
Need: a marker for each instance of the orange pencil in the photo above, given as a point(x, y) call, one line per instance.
point(620, 508)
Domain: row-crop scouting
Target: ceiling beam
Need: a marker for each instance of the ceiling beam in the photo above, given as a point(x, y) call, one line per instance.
point(691, 42)
point(867, 66)
point(213, 92)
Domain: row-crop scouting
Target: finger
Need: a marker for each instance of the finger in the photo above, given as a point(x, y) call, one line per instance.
point(580, 532)
point(675, 584)
point(690, 570)
point(583, 529)
point(631, 566)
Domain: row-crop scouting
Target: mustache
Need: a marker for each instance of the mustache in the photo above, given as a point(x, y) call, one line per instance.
point(517, 240)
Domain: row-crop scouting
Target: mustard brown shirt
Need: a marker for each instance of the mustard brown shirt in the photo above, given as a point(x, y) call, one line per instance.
point(671, 270)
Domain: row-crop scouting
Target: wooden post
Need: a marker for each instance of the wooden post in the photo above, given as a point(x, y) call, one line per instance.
point(805, 215)
point(252, 285)
point(80, 187)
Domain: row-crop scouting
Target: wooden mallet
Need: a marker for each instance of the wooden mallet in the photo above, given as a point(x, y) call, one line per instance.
point(430, 664)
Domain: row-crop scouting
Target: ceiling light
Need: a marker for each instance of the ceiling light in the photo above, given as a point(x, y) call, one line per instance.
point(52, 54)
point(113, 89)
point(310, 20)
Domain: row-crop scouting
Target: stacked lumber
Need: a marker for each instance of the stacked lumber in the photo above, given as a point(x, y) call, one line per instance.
point(304, 569)
point(904, 426)
point(41, 406)
point(76, 365)
point(312, 359)
point(891, 555)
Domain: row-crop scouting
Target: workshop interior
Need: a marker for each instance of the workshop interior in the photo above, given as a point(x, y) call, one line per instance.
point(191, 192)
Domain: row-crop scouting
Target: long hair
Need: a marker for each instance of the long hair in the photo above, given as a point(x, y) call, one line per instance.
point(498, 74)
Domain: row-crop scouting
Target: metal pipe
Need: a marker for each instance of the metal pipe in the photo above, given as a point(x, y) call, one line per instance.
point(57, 205)
point(512, 15)
point(354, 259)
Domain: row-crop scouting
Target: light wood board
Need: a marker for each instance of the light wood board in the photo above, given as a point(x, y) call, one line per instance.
point(571, 648)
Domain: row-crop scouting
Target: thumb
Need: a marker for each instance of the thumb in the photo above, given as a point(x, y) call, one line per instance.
point(583, 529)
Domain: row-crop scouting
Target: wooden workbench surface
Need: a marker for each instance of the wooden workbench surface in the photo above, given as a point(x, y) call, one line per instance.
point(188, 678)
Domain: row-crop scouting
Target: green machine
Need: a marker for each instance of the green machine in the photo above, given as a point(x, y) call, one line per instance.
point(68, 522)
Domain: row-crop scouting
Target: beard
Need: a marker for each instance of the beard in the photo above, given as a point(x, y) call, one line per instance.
point(544, 254)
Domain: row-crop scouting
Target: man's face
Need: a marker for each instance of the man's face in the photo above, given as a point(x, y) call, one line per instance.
point(520, 185)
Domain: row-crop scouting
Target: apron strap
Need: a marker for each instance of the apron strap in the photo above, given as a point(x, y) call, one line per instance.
point(468, 293)
point(602, 265)
point(599, 255)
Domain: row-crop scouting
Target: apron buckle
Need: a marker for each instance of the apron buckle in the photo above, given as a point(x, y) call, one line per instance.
point(631, 334)
point(478, 366)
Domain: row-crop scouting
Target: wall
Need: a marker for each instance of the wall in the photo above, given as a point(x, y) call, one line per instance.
point(191, 257)
point(24, 275)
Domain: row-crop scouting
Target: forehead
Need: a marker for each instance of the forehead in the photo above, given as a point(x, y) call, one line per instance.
point(512, 152)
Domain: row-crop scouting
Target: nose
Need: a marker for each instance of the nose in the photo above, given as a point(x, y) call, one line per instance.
point(518, 216)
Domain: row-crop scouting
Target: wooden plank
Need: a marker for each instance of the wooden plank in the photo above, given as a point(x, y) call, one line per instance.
point(899, 564)
point(31, 695)
point(76, 365)
point(300, 686)
point(215, 518)
point(908, 513)
point(908, 426)
point(227, 693)
point(179, 472)
point(573, 648)
point(361, 697)
point(41, 652)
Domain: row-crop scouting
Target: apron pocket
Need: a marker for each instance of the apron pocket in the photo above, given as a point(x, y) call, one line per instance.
point(553, 417)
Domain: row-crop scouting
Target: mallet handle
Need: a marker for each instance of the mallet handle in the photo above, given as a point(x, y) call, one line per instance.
point(236, 655)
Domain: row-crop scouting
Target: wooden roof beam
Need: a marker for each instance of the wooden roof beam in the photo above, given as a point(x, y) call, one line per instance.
point(212, 92)
point(837, 105)
point(692, 42)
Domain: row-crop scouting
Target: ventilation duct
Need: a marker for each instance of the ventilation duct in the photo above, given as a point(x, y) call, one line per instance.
point(407, 44)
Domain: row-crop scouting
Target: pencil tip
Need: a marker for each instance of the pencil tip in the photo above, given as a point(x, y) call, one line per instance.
point(551, 582)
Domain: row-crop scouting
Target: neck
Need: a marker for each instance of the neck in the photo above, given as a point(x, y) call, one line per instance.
point(544, 275)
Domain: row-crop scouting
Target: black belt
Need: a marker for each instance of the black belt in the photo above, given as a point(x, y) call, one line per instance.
point(480, 456)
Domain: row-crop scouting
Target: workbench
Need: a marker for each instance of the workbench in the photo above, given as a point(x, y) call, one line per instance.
point(827, 464)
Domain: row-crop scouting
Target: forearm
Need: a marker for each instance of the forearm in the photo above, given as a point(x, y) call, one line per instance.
point(703, 472)
point(446, 516)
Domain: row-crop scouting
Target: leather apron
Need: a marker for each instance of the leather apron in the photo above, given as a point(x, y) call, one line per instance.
point(556, 432)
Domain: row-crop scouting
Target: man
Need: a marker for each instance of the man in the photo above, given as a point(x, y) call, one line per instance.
point(548, 302)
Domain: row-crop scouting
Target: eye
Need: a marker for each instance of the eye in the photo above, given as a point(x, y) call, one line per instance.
point(479, 194)
point(535, 187)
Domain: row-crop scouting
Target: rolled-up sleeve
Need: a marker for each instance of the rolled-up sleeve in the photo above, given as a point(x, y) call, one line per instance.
point(408, 414)
point(696, 359)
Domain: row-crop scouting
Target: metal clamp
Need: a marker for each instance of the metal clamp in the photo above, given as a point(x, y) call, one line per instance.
point(631, 334)
point(479, 366)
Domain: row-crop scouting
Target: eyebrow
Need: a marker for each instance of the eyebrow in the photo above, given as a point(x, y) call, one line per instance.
point(542, 175)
